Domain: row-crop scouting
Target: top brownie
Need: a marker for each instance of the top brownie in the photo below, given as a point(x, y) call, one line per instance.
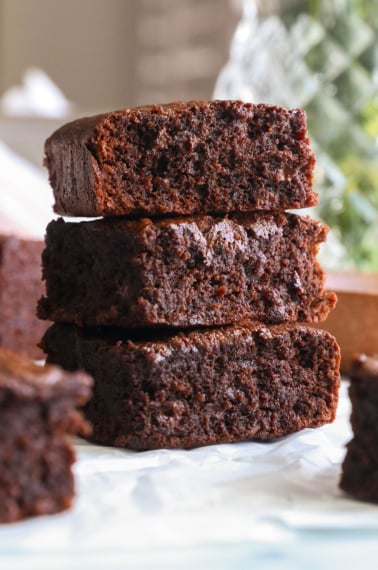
point(181, 159)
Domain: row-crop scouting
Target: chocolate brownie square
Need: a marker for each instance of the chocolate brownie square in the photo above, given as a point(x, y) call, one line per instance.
point(360, 467)
point(38, 412)
point(182, 159)
point(185, 272)
point(204, 387)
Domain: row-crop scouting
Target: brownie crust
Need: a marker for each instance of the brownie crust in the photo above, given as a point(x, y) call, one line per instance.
point(38, 412)
point(205, 387)
point(185, 272)
point(360, 468)
point(182, 159)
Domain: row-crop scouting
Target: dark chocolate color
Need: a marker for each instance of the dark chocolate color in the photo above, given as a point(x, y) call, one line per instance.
point(37, 411)
point(360, 468)
point(185, 272)
point(182, 158)
point(205, 387)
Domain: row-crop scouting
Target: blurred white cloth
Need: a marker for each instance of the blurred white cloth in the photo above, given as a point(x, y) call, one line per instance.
point(37, 96)
point(26, 198)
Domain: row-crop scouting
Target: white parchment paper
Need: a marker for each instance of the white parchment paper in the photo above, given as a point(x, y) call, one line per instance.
point(168, 502)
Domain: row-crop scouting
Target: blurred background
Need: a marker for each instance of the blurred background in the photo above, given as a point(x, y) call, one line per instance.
point(104, 55)
point(107, 54)
point(60, 60)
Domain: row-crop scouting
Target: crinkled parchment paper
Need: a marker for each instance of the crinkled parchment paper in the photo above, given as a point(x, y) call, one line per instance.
point(221, 506)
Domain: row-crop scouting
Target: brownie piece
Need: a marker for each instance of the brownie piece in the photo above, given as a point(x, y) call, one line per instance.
point(20, 288)
point(360, 467)
point(182, 159)
point(37, 409)
point(205, 387)
point(185, 272)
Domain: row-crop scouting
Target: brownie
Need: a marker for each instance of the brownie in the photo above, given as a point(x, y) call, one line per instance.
point(182, 159)
point(204, 387)
point(185, 272)
point(38, 412)
point(20, 288)
point(360, 467)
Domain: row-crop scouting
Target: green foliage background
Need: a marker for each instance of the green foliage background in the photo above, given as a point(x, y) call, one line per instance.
point(343, 121)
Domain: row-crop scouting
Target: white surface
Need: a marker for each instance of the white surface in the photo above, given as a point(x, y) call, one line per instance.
point(222, 506)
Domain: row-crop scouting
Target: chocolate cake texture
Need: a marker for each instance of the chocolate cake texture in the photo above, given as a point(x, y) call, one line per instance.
point(185, 272)
point(38, 412)
point(204, 387)
point(182, 159)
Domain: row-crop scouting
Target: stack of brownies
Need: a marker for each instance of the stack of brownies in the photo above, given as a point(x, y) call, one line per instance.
point(182, 301)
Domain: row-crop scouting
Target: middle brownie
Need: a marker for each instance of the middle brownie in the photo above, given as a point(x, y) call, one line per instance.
point(185, 272)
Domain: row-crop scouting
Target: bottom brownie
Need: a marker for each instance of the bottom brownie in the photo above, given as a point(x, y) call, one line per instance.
point(37, 410)
point(360, 468)
point(204, 387)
